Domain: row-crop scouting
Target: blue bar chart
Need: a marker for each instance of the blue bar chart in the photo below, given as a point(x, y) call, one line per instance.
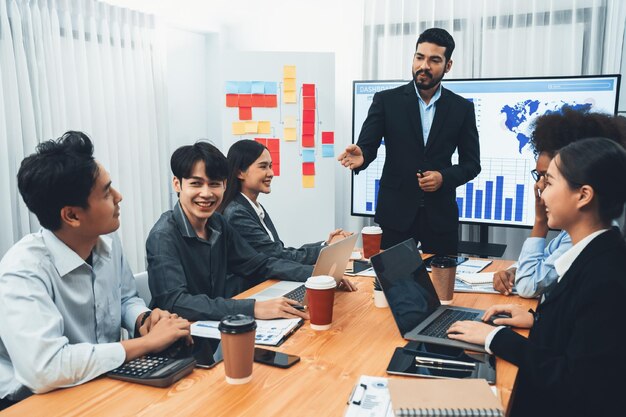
point(479, 201)
point(373, 174)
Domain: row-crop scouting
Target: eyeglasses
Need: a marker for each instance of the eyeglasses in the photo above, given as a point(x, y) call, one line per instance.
point(537, 175)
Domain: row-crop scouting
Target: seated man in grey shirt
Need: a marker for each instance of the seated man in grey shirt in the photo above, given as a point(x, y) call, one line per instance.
point(66, 290)
point(191, 248)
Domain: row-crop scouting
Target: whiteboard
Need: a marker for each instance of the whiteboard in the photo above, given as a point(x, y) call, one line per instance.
point(301, 215)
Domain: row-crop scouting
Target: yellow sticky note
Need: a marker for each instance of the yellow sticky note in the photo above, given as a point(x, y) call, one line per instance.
point(289, 84)
point(308, 181)
point(289, 97)
point(289, 71)
point(290, 122)
point(265, 127)
point(252, 127)
point(239, 128)
point(290, 134)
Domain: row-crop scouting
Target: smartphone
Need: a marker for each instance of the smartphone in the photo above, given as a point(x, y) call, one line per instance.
point(206, 351)
point(272, 358)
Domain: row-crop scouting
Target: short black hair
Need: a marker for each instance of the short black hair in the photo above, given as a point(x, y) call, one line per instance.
point(439, 37)
point(601, 164)
point(184, 158)
point(555, 130)
point(60, 173)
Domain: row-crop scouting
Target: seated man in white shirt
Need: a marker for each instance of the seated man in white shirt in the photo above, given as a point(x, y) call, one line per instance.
point(66, 291)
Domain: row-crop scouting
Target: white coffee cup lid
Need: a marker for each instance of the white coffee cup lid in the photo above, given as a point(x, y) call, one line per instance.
point(372, 230)
point(321, 282)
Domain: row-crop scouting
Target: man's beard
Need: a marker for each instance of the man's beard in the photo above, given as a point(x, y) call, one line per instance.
point(426, 85)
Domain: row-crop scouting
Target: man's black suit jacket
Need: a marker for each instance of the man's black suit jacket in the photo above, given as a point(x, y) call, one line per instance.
point(574, 361)
point(395, 115)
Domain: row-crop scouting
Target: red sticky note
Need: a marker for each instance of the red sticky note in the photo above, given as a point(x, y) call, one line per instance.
point(258, 100)
point(271, 100)
point(308, 168)
point(245, 113)
point(308, 90)
point(275, 166)
point(232, 100)
point(273, 145)
point(308, 141)
point(308, 128)
point(328, 137)
point(245, 100)
point(308, 103)
point(262, 141)
point(308, 116)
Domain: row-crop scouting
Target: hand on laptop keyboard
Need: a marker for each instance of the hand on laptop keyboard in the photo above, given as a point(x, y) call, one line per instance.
point(278, 308)
point(470, 331)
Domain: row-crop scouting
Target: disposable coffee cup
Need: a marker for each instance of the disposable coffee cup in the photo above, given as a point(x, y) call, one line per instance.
point(371, 236)
point(443, 274)
point(320, 293)
point(380, 300)
point(238, 333)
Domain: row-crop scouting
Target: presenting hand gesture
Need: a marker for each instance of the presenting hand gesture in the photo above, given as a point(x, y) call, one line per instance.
point(352, 157)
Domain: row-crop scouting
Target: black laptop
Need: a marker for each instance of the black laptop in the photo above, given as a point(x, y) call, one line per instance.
point(413, 299)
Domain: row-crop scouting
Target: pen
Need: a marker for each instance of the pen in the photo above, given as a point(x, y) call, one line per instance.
point(442, 362)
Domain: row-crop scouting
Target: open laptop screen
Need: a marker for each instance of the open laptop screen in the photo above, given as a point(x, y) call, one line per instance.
point(406, 284)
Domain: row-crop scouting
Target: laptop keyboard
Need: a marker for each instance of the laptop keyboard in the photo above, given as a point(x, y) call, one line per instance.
point(439, 327)
point(296, 294)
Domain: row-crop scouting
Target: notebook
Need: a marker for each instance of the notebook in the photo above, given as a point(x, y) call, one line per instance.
point(443, 397)
point(413, 300)
point(332, 261)
point(476, 279)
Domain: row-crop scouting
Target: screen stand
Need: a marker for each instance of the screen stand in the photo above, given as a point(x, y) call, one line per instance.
point(482, 248)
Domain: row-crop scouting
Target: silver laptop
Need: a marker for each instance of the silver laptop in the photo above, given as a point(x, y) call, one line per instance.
point(332, 261)
point(413, 299)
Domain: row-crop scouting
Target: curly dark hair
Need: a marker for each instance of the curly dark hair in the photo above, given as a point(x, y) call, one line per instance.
point(556, 130)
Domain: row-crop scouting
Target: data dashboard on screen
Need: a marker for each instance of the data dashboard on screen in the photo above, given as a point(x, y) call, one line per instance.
point(502, 194)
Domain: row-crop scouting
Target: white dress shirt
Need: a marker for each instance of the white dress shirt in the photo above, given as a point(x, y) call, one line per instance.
point(261, 213)
point(61, 317)
point(561, 265)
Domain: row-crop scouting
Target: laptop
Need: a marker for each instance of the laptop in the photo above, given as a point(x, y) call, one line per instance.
point(332, 261)
point(413, 299)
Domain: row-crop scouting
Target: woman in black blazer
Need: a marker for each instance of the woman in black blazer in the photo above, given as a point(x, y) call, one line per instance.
point(573, 363)
point(250, 174)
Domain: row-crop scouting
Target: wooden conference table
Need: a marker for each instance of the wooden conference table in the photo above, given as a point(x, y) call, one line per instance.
point(360, 342)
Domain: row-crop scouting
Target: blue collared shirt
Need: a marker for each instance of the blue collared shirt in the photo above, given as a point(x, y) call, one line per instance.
point(61, 317)
point(427, 111)
point(535, 273)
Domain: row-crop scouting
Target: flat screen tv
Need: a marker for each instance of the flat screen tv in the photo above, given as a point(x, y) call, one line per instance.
point(506, 109)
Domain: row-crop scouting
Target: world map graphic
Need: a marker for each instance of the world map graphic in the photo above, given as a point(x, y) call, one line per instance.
point(520, 116)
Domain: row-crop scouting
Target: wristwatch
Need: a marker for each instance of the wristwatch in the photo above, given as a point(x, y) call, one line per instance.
point(145, 317)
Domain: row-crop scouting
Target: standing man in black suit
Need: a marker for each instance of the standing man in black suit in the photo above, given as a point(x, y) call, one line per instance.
point(423, 124)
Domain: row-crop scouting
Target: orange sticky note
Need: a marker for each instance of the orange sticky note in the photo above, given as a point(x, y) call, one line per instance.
point(232, 100)
point(239, 128)
point(308, 168)
point(308, 141)
point(308, 90)
point(270, 100)
point(273, 145)
point(308, 181)
point(245, 113)
point(245, 100)
point(308, 103)
point(252, 127)
point(258, 100)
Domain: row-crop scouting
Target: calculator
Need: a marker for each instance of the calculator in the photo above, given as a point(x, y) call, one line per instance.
point(156, 371)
